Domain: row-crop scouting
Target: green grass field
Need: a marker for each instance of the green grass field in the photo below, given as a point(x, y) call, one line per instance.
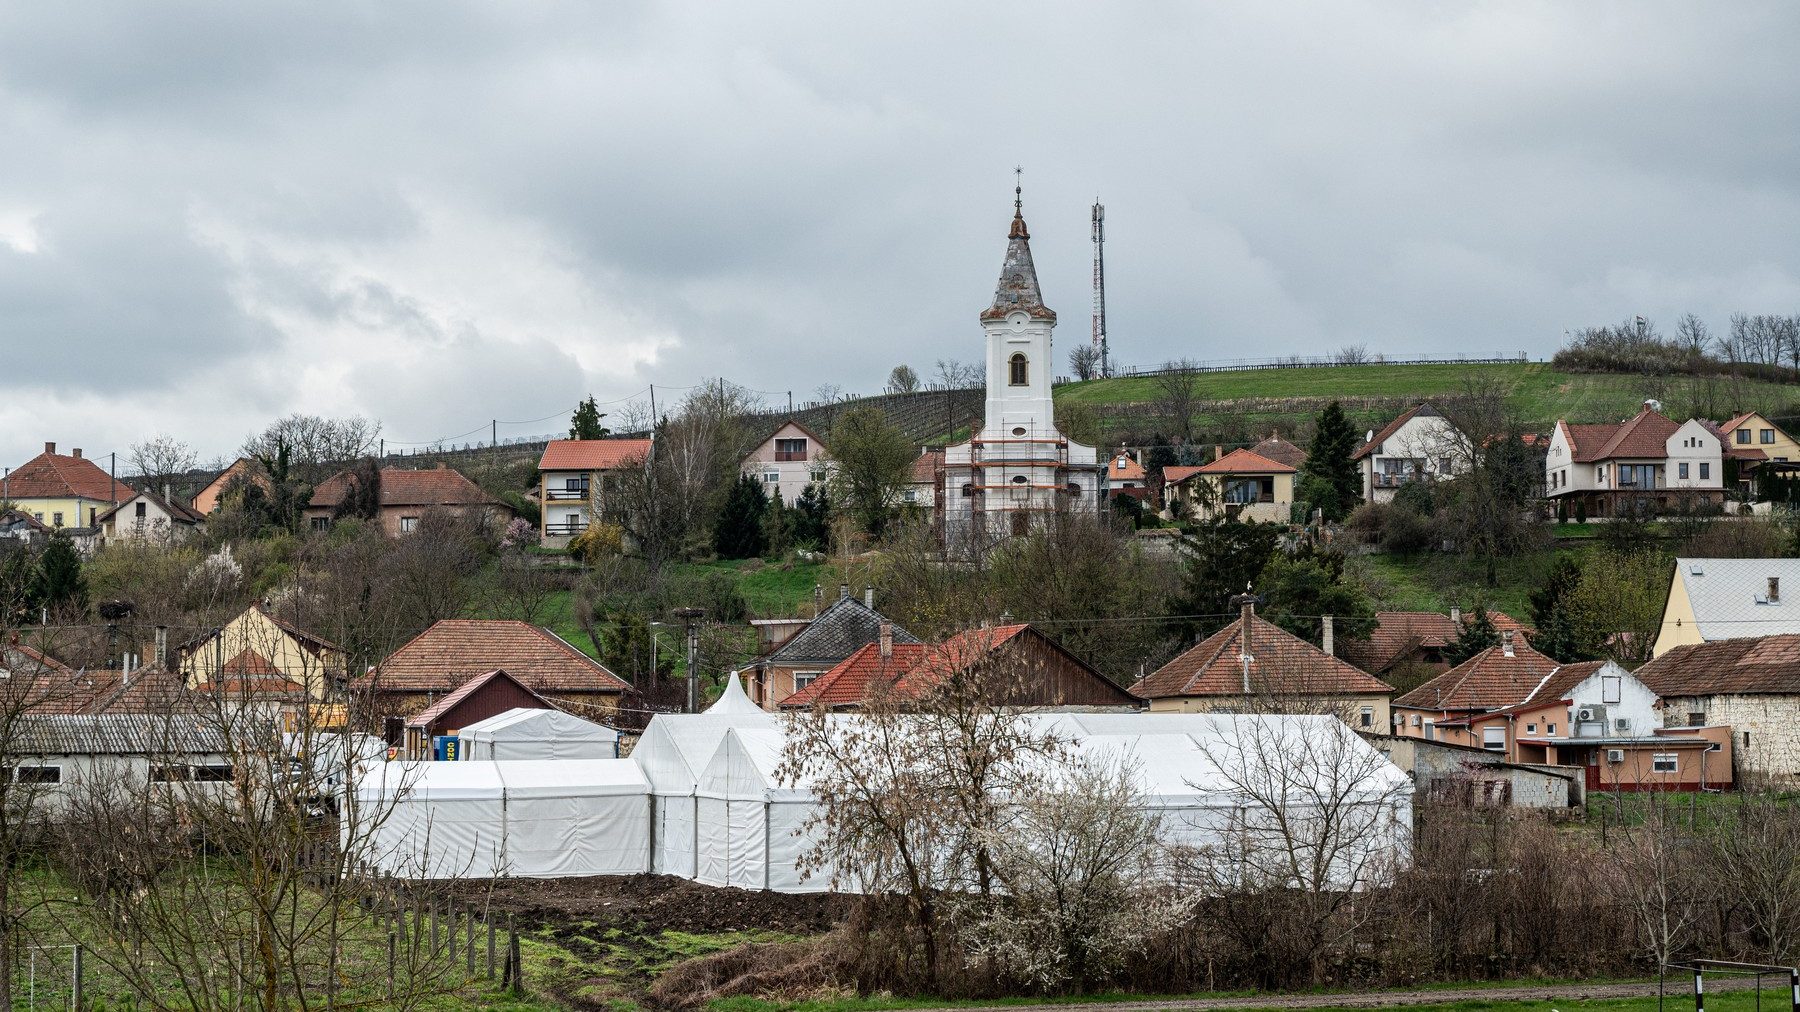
point(1540, 393)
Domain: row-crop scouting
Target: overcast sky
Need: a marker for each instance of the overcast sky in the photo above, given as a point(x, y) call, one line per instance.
point(437, 214)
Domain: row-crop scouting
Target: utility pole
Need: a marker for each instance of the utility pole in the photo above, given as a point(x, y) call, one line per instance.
point(494, 433)
point(691, 616)
point(1100, 288)
point(112, 472)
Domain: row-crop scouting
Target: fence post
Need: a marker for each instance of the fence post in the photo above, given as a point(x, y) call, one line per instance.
point(1794, 987)
point(490, 931)
point(75, 972)
point(393, 942)
point(434, 929)
point(1699, 990)
point(469, 940)
point(450, 917)
point(518, 963)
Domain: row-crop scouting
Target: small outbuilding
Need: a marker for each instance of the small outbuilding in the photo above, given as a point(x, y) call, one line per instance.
point(537, 733)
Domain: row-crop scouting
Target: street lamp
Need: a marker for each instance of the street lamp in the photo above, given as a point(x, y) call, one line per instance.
point(692, 616)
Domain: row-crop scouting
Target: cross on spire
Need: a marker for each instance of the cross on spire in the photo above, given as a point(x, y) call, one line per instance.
point(1018, 190)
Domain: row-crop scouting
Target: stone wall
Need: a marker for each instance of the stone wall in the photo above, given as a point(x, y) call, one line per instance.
point(1765, 731)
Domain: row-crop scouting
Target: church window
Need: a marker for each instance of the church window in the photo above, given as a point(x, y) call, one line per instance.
point(1019, 374)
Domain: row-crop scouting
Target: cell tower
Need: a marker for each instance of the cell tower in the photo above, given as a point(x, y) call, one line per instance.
point(1100, 288)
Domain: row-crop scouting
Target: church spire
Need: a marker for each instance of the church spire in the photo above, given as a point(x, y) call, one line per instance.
point(1018, 287)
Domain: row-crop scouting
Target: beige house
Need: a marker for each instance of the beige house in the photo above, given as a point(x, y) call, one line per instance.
point(1241, 484)
point(1727, 599)
point(207, 499)
point(579, 481)
point(274, 645)
point(406, 496)
point(1752, 431)
point(792, 458)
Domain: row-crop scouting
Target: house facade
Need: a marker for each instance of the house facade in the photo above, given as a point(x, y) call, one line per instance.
point(207, 500)
point(297, 655)
point(62, 491)
point(1751, 686)
point(800, 654)
point(1419, 445)
point(485, 695)
point(146, 516)
point(406, 496)
point(1752, 431)
point(1647, 463)
point(1721, 599)
point(580, 481)
point(1125, 476)
point(925, 484)
point(788, 461)
point(1019, 465)
point(1253, 665)
point(1241, 485)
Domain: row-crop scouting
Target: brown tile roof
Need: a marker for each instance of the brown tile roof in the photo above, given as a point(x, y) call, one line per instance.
point(51, 475)
point(1487, 681)
point(1241, 461)
point(1765, 665)
point(851, 679)
point(1733, 423)
point(1281, 664)
point(1645, 434)
point(39, 683)
point(1561, 682)
point(1397, 634)
point(1122, 466)
point(425, 717)
point(454, 649)
point(1177, 474)
point(927, 465)
point(1389, 429)
point(592, 454)
point(148, 690)
point(438, 486)
point(1281, 451)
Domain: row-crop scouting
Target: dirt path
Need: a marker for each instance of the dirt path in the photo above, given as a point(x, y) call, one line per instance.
point(1679, 990)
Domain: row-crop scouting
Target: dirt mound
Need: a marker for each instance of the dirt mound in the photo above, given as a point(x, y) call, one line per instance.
point(664, 903)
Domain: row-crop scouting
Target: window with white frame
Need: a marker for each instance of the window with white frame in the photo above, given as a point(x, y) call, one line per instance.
point(409, 524)
point(1493, 738)
point(1664, 762)
point(771, 477)
point(1530, 728)
point(1609, 688)
point(1549, 728)
point(1368, 716)
point(804, 678)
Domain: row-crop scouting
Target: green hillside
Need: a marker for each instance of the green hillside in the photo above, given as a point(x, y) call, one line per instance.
point(1541, 393)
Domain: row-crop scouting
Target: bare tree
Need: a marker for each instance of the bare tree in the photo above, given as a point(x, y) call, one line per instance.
point(1084, 360)
point(828, 393)
point(1656, 864)
point(160, 459)
point(1352, 354)
point(1756, 849)
point(521, 590)
point(903, 380)
point(315, 446)
point(1178, 397)
point(955, 375)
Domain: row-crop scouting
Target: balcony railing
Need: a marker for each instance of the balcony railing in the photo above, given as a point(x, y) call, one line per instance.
point(789, 456)
point(564, 494)
point(1395, 479)
point(565, 530)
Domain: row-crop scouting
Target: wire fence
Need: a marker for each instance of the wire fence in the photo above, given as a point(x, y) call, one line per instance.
point(1339, 360)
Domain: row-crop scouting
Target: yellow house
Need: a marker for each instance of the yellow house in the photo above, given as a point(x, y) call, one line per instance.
point(1727, 599)
point(1241, 484)
point(1751, 431)
point(62, 490)
point(257, 640)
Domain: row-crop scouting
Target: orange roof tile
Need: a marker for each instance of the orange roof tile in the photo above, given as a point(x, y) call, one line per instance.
point(1123, 467)
point(438, 486)
point(1487, 681)
point(1241, 461)
point(927, 465)
point(1176, 474)
point(51, 475)
point(592, 454)
point(455, 649)
point(851, 679)
point(1281, 664)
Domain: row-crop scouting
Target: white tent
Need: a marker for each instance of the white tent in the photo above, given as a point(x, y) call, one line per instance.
point(673, 751)
point(752, 827)
point(530, 819)
point(538, 733)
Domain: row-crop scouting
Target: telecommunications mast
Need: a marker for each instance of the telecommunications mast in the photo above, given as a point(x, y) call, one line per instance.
point(1100, 287)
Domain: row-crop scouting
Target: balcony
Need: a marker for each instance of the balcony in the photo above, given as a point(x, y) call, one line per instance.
point(1395, 479)
point(790, 456)
point(565, 494)
point(565, 529)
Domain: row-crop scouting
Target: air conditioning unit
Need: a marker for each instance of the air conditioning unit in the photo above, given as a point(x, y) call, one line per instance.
point(1585, 715)
point(1622, 724)
point(1615, 755)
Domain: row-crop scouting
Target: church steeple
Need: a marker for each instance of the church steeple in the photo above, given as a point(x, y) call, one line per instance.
point(1018, 287)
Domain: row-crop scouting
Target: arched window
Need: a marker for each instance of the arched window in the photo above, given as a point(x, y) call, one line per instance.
point(1019, 375)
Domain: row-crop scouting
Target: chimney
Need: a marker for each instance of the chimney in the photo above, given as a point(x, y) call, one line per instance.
point(887, 639)
point(162, 646)
point(1774, 590)
point(869, 597)
point(76, 453)
point(1244, 654)
point(1325, 639)
point(843, 591)
point(166, 497)
point(1506, 643)
point(1455, 615)
point(49, 447)
point(1218, 450)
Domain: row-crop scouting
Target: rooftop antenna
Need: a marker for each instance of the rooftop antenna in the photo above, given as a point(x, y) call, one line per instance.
point(1100, 287)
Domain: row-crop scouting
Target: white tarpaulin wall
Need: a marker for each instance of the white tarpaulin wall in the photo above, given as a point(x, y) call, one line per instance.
point(529, 819)
point(672, 752)
point(538, 733)
point(752, 829)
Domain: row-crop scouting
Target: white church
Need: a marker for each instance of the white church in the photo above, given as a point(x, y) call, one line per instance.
point(1019, 466)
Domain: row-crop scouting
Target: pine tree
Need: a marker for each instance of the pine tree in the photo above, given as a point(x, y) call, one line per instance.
point(60, 584)
point(1478, 634)
point(1329, 459)
point(585, 423)
point(362, 496)
point(812, 517)
point(738, 532)
point(1556, 634)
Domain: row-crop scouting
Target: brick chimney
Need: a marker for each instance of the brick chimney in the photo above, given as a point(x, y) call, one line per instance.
point(886, 639)
point(76, 453)
point(49, 447)
point(1325, 638)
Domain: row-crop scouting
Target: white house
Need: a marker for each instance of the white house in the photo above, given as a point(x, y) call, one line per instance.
point(1019, 465)
point(146, 516)
point(568, 474)
point(921, 490)
point(792, 458)
point(1647, 463)
point(1418, 444)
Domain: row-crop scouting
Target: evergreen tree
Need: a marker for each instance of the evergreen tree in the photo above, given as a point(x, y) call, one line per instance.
point(585, 422)
point(812, 517)
point(1299, 590)
point(1329, 459)
point(1224, 558)
point(1478, 634)
point(362, 496)
point(738, 532)
point(1556, 632)
point(60, 584)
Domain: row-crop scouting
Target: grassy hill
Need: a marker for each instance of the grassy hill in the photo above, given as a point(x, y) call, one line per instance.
point(1286, 397)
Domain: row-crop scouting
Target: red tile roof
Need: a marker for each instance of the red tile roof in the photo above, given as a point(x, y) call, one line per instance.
point(592, 454)
point(1176, 474)
point(958, 653)
point(62, 476)
point(1122, 466)
point(1281, 664)
point(1281, 451)
point(454, 649)
point(1764, 665)
point(850, 681)
point(1241, 461)
point(1487, 681)
point(1387, 430)
point(438, 486)
point(927, 465)
point(425, 717)
point(1644, 435)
